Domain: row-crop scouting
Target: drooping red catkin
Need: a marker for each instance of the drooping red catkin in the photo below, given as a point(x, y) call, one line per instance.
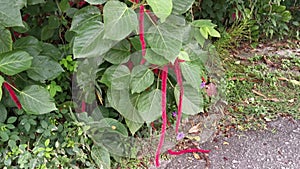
point(179, 81)
point(164, 113)
point(83, 106)
point(12, 94)
point(141, 32)
point(193, 150)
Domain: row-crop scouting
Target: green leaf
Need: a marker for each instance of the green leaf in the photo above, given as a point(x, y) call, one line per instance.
point(46, 33)
point(203, 23)
point(47, 142)
point(199, 38)
point(204, 32)
point(84, 16)
point(29, 44)
point(192, 99)
point(90, 42)
point(191, 73)
point(181, 7)
point(119, 20)
point(5, 41)
point(34, 2)
point(149, 105)
point(53, 22)
point(214, 33)
point(36, 100)
point(101, 157)
point(116, 77)
point(155, 58)
point(1, 82)
point(22, 29)
point(4, 136)
point(133, 126)
point(43, 68)
point(165, 39)
point(10, 15)
point(3, 112)
point(14, 62)
point(11, 119)
point(141, 79)
point(113, 125)
point(50, 50)
point(125, 104)
point(118, 54)
point(161, 8)
point(184, 56)
point(64, 5)
point(96, 2)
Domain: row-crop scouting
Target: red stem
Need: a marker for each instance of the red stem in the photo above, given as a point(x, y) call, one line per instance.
point(12, 94)
point(179, 81)
point(164, 113)
point(141, 33)
point(193, 150)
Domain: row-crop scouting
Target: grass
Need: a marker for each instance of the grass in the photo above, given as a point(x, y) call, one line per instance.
point(261, 88)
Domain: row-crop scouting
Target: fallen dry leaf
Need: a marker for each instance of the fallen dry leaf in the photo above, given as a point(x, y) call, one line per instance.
point(272, 99)
point(258, 93)
point(225, 143)
point(195, 129)
point(196, 156)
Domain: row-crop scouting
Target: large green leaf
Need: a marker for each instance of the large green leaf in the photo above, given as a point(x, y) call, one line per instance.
point(10, 15)
point(149, 105)
point(90, 42)
point(36, 100)
point(180, 7)
point(116, 77)
point(141, 78)
point(29, 44)
point(101, 157)
point(14, 62)
point(133, 126)
point(165, 39)
point(161, 8)
point(96, 2)
point(1, 82)
point(34, 2)
point(192, 99)
point(50, 50)
point(43, 68)
point(191, 73)
point(83, 16)
point(155, 58)
point(113, 125)
point(119, 20)
point(125, 104)
point(118, 54)
point(5, 41)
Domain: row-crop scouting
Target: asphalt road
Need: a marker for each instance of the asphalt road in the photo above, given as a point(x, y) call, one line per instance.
point(275, 148)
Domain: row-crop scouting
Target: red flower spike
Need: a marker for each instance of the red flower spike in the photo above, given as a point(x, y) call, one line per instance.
point(179, 81)
point(12, 94)
point(194, 150)
point(83, 106)
point(164, 113)
point(141, 32)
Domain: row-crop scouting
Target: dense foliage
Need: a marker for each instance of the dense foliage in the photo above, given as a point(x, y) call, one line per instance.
point(107, 61)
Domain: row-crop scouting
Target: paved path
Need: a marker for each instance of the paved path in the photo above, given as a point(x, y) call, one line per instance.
point(276, 148)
